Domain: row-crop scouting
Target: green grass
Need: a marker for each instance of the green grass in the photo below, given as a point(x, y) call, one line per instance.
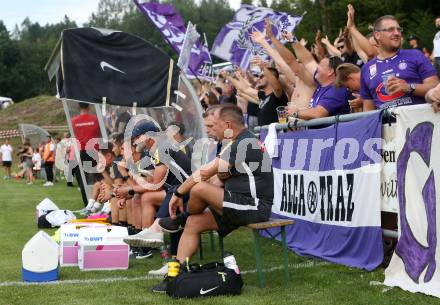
point(320, 284)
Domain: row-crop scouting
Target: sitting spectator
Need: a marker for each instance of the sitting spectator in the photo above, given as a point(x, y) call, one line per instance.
point(395, 77)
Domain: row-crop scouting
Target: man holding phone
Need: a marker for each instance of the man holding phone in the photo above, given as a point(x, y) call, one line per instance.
point(395, 77)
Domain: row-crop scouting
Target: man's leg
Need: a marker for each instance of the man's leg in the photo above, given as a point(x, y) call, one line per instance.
point(150, 201)
point(137, 212)
point(204, 194)
point(196, 224)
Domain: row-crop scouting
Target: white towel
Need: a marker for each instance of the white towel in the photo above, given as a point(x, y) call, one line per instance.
point(271, 141)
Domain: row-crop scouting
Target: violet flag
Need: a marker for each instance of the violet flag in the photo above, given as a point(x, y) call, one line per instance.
point(172, 27)
point(234, 44)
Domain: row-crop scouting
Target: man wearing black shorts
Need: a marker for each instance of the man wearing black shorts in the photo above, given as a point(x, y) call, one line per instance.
point(247, 196)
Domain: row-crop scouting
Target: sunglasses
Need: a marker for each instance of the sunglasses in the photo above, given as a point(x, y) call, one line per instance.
point(391, 30)
point(340, 47)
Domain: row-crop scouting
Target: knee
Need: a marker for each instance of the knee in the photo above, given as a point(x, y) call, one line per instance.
point(197, 189)
point(193, 225)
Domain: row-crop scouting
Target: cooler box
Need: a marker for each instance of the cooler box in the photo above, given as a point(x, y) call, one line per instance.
point(69, 236)
point(40, 259)
point(102, 248)
point(43, 207)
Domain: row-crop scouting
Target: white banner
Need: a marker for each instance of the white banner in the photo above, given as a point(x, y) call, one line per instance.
point(388, 183)
point(414, 265)
point(191, 37)
point(343, 198)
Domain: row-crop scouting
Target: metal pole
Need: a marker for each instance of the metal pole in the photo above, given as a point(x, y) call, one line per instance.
point(321, 121)
point(389, 233)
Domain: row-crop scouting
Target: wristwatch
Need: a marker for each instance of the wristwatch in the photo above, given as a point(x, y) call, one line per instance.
point(412, 88)
point(177, 194)
point(125, 178)
point(131, 192)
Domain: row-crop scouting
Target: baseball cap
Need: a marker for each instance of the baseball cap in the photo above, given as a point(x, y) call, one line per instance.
point(143, 128)
point(412, 37)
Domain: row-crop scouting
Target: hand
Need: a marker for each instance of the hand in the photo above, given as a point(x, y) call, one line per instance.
point(357, 102)
point(325, 40)
point(350, 16)
point(258, 37)
point(291, 108)
point(287, 36)
point(395, 85)
point(268, 28)
point(303, 42)
point(175, 203)
point(122, 191)
point(121, 203)
point(433, 97)
point(223, 175)
point(318, 36)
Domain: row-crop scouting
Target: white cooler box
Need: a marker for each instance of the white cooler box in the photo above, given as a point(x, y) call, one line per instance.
point(43, 207)
point(69, 236)
point(102, 248)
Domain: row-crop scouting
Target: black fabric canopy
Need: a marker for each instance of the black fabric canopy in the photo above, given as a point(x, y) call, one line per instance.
point(93, 63)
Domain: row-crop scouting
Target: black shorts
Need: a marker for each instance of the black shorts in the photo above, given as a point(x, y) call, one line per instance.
point(240, 210)
point(7, 163)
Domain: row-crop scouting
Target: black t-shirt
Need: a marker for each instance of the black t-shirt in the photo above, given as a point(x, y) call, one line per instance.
point(251, 167)
point(176, 160)
point(252, 109)
point(267, 112)
point(228, 99)
point(352, 58)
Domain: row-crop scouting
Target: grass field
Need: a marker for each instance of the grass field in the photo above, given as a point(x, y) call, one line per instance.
point(312, 282)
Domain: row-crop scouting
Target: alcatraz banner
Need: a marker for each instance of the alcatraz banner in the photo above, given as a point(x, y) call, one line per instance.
point(413, 266)
point(328, 181)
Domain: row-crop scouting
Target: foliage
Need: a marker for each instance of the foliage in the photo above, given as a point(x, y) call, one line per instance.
point(25, 51)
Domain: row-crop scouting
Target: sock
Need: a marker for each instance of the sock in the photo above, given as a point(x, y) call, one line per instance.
point(174, 242)
point(130, 229)
point(136, 230)
point(90, 204)
point(122, 223)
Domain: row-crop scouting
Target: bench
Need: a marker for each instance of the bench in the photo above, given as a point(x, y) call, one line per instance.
point(256, 228)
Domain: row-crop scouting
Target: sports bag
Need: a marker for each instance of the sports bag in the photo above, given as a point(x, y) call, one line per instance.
point(208, 280)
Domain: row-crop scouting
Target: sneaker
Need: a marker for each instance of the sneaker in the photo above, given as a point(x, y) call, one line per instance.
point(145, 238)
point(161, 271)
point(106, 208)
point(96, 207)
point(162, 286)
point(133, 252)
point(48, 183)
point(172, 225)
point(88, 208)
point(144, 253)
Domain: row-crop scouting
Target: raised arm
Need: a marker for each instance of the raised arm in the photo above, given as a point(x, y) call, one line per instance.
point(241, 85)
point(330, 48)
point(357, 36)
point(289, 71)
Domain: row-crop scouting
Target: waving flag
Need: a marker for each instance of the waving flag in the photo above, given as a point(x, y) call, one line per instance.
point(172, 26)
point(328, 181)
point(234, 44)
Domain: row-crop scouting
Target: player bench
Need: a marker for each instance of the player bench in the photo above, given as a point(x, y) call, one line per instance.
point(256, 228)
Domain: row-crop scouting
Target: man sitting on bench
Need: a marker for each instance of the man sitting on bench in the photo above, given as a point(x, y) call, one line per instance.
point(247, 197)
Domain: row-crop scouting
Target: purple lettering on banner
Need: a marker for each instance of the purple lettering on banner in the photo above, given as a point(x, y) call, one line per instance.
point(415, 256)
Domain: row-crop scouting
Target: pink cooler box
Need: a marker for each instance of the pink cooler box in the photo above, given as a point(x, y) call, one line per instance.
point(69, 236)
point(102, 248)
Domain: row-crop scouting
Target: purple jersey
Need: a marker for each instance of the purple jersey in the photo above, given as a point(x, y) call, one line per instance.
point(410, 65)
point(331, 98)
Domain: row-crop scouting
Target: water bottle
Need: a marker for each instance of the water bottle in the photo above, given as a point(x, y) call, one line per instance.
point(230, 262)
point(164, 253)
point(173, 267)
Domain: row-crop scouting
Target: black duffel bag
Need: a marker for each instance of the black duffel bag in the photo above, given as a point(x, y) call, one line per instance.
point(208, 280)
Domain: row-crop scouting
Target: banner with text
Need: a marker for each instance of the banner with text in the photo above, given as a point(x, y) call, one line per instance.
point(413, 266)
point(328, 180)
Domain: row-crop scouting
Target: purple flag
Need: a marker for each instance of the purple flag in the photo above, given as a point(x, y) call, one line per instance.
point(328, 181)
point(172, 26)
point(234, 44)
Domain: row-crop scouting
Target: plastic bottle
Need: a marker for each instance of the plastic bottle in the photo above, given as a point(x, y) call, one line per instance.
point(173, 267)
point(230, 262)
point(164, 253)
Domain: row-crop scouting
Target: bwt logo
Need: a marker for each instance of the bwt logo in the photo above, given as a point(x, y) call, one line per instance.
point(93, 238)
point(415, 256)
point(71, 234)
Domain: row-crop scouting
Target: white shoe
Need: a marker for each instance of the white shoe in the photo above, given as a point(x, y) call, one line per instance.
point(88, 208)
point(96, 207)
point(145, 238)
point(106, 209)
point(48, 183)
point(162, 271)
